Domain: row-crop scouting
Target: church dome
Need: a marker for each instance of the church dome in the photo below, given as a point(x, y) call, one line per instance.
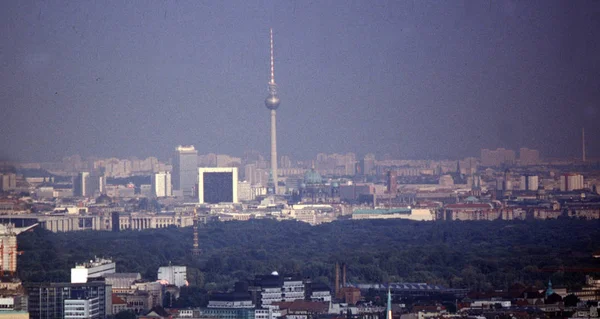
point(312, 177)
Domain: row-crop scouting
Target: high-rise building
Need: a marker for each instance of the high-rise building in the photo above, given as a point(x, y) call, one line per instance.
point(272, 103)
point(185, 170)
point(571, 182)
point(217, 185)
point(161, 184)
point(80, 184)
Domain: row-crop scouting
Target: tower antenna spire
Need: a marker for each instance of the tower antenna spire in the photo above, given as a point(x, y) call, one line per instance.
point(272, 60)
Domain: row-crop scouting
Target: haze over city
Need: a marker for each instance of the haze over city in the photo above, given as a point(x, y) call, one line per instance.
point(414, 79)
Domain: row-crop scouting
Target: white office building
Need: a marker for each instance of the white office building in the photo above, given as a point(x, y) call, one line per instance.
point(92, 269)
point(174, 275)
point(82, 308)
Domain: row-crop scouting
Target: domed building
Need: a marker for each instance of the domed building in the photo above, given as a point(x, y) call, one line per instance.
point(313, 189)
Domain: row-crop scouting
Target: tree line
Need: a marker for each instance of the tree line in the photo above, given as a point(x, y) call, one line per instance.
point(475, 255)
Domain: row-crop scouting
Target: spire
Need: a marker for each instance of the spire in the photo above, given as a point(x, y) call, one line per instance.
point(272, 60)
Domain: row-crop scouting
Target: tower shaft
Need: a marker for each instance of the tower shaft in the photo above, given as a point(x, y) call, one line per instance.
point(274, 149)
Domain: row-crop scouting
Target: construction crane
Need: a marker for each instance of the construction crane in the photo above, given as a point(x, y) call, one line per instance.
point(196, 247)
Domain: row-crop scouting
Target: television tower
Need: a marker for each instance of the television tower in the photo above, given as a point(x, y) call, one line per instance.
point(272, 103)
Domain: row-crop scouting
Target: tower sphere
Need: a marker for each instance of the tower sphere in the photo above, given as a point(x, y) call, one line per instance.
point(272, 102)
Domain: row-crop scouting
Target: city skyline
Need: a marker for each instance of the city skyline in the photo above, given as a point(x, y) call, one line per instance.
point(410, 79)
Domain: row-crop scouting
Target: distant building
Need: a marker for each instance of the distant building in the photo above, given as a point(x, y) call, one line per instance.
point(161, 184)
point(217, 185)
point(497, 157)
point(353, 193)
point(529, 183)
point(88, 185)
point(146, 190)
point(93, 269)
point(245, 191)
point(80, 184)
point(8, 182)
point(174, 275)
point(571, 182)
point(528, 156)
point(392, 185)
point(367, 164)
point(185, 170)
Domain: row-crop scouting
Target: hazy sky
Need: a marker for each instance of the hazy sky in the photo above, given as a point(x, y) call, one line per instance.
point(415, 79)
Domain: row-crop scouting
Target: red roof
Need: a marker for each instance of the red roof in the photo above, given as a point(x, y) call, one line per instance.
point(117, 300)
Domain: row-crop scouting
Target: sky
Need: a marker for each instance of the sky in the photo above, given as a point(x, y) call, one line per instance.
point(411, 79)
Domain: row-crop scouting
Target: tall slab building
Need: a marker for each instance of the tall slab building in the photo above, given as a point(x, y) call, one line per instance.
point(185, 170)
